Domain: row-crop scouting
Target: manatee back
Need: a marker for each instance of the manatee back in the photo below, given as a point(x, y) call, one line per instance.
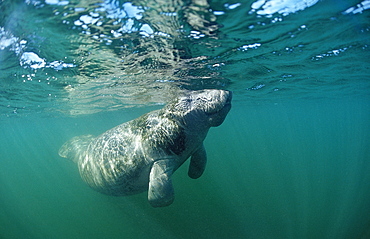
point(117, 162)
point(75, 148)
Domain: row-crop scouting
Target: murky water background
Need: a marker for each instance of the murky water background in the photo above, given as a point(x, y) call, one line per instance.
point(290, 161)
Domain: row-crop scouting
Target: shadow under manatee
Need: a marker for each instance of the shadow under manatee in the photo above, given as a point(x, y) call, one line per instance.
point(198, 211)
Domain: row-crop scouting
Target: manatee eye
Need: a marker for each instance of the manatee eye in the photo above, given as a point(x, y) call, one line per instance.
point(186, 102)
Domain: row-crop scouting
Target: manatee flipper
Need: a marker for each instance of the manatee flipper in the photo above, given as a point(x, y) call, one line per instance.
point(74, 148)
point(198, 163)
point(161, 192)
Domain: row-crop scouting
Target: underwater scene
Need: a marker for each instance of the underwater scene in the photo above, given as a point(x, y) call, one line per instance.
point(290, 160)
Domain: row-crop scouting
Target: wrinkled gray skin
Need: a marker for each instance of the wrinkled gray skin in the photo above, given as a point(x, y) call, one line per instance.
point(142, 154)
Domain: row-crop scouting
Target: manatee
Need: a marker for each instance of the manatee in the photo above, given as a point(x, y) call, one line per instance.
point(142, 154)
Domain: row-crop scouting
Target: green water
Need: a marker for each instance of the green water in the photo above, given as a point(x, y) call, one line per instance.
point(291, 159)
point(291, 170)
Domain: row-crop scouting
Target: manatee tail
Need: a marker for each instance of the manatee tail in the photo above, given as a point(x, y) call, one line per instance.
point(75, 148)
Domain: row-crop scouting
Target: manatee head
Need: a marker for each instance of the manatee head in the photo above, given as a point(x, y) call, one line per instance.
point(203, 108)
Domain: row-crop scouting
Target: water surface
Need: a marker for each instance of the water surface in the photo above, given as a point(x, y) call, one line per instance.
point(290, 161)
